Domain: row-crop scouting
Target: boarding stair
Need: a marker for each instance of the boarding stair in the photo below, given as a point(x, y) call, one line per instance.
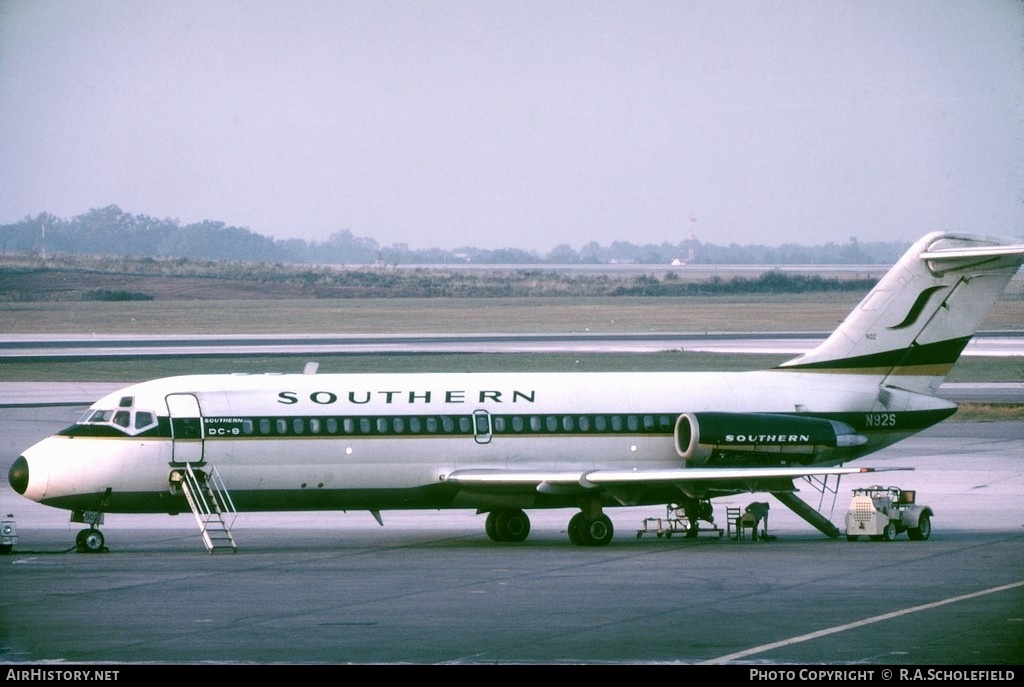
point(211, 504)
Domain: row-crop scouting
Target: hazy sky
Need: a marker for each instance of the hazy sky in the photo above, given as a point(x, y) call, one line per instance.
point(520, 123)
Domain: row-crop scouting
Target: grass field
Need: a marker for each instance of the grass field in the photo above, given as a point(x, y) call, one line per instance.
point(795, 313)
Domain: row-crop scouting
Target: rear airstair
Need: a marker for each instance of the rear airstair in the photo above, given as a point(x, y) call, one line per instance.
point(211, 504)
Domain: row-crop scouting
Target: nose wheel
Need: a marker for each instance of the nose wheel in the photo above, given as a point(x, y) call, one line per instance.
point(89, 541)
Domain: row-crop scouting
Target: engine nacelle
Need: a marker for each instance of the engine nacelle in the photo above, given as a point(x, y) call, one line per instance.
point(760, 438)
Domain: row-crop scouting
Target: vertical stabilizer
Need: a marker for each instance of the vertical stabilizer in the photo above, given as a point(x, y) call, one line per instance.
point(912, 327)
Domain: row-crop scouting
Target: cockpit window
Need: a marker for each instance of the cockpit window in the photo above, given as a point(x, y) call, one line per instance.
point(97, 417)
point(126, 421)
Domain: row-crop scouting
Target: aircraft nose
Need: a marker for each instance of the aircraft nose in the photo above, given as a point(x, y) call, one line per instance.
point(18, 475)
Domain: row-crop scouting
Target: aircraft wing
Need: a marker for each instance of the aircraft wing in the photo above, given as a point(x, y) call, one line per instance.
point(598, 479)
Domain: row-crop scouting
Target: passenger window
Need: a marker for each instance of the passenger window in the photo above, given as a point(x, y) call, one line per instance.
point(482, 426)
point(332, 425)
point(314, 426)
point(264, 426)
point(600, 423)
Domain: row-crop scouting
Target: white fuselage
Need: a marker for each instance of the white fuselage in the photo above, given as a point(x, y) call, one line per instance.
point(283, 442)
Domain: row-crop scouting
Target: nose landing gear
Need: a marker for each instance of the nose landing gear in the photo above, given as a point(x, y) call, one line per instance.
point(91, 540)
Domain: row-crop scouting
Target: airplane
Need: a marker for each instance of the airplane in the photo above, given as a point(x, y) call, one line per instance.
point(506, 443)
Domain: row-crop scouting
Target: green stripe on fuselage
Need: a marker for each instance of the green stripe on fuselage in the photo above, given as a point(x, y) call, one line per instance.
point(929, 359)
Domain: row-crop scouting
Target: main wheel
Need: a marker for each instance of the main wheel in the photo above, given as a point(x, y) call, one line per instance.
point(889, 533)
point(595, 532)
point(490, 527)
point(852, 537)
point(512, 525)
point(923, 529)
point(576, 524)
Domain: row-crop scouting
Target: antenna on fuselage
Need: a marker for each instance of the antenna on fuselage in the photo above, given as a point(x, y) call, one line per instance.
point(310, 368)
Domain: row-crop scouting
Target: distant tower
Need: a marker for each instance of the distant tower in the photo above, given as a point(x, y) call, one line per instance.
point(693, 237)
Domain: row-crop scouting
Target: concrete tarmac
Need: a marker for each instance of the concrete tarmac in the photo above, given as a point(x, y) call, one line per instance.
point(430, 588)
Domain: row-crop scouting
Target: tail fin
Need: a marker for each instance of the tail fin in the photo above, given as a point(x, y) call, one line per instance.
point(917, 320)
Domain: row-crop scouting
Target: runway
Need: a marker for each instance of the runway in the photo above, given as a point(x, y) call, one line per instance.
point(66, 348)
point(430, 588)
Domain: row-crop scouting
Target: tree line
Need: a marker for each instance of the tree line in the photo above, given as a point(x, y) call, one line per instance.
point(110, 231)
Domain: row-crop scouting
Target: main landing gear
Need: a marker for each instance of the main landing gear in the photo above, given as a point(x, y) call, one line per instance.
point(589, 527)
point(507, 525)
point(587, 530)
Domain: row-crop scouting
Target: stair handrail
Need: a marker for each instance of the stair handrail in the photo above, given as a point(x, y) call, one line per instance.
point(195, 488)
point(220, 494)
point(209, 511)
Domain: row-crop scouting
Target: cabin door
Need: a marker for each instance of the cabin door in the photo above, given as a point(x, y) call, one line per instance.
point(482, 426)
point(186, 429)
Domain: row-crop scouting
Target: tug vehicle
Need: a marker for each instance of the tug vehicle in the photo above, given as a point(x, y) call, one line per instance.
point(8, 534)
point(881, 513)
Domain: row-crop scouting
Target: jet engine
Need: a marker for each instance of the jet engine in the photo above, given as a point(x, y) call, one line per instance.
point(728, 439)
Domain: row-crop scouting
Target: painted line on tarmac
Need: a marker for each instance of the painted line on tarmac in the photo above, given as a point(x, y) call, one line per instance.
point(860, 623)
